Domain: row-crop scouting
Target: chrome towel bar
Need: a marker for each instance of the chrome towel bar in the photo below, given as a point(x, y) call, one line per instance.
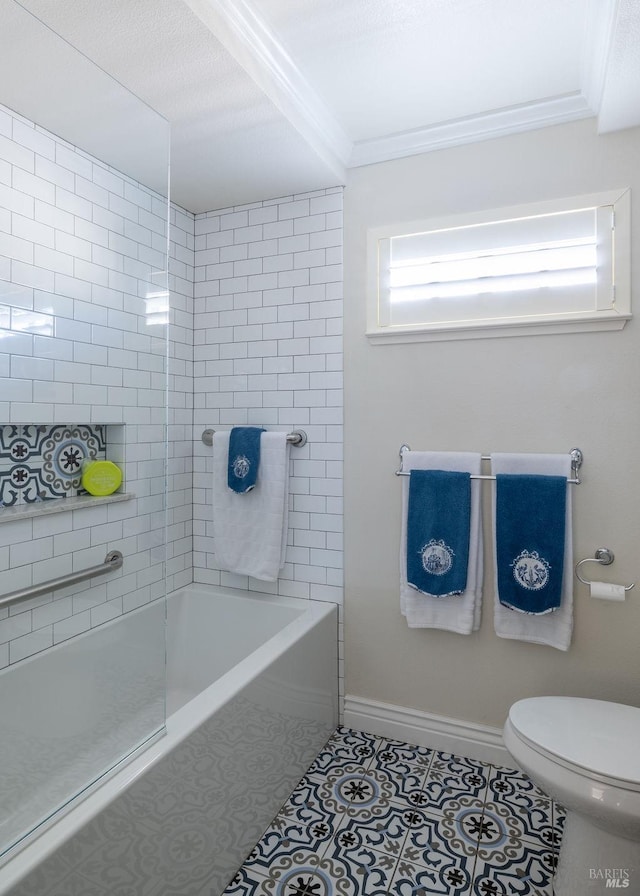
point(575, 453)
point(297, 438)
point(112, 561)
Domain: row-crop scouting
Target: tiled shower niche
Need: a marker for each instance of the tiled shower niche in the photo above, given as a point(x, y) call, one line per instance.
point(43, 462)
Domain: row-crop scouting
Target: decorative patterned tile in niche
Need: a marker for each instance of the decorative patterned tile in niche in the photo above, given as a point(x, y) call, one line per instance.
point(44, 462)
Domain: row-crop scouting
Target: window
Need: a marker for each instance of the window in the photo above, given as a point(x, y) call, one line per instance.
point(546, 268)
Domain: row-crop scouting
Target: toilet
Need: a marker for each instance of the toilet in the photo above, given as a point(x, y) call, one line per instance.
point(585, 754)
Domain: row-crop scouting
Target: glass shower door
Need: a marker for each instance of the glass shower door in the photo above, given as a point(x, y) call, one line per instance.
point(72, 715)
point(83, 376)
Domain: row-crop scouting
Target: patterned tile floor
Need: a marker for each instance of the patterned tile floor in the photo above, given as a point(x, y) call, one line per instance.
point(374, 816)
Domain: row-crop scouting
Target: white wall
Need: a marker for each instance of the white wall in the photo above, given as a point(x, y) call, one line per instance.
point(524, 394)
point(81, 240)
point(268, 351)
point(81, 244)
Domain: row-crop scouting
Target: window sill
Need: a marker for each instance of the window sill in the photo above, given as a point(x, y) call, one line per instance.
point(46, 508)
point(595, 322)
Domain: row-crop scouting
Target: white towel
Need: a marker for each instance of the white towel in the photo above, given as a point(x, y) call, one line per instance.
point(553, 629)
point(250, 530)
point(455, 613)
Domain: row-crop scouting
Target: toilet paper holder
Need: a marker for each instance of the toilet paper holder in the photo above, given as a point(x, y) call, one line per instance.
point(605, 557)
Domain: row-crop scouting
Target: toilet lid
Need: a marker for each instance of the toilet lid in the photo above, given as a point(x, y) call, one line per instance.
point(600, 737)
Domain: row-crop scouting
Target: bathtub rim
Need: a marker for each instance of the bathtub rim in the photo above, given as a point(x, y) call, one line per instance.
point(96, 797)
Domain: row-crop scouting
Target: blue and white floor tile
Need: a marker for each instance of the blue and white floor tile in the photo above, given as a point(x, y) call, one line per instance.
point(375, 816)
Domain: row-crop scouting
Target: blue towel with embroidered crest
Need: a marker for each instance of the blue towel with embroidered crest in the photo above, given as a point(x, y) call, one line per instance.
point(244, 458)
point(530, 533)
point(438, 531)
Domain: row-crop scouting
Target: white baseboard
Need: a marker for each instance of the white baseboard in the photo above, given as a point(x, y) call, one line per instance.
point(427, 730)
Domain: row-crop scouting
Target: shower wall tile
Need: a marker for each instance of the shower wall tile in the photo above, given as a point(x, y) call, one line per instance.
point(268, 351)
point(256, 323)
point(81, 246)
point(180, 460)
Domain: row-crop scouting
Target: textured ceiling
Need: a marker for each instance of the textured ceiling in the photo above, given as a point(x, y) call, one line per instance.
point(395, 66)
point(269, 97)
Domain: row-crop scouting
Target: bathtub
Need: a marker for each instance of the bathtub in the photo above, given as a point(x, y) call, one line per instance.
point(251, 697)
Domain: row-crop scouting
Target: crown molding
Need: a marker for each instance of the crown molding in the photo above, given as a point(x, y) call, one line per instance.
point(257, 50)
point(514, 120)
point(601, 20)
point(618, 106)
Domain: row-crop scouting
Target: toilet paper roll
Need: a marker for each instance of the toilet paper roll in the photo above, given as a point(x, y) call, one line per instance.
point(607, 591)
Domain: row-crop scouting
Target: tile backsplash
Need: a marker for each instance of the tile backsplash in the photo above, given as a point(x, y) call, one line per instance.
point(44, 462)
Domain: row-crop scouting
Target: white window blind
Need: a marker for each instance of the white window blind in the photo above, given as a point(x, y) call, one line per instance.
point(535, 267)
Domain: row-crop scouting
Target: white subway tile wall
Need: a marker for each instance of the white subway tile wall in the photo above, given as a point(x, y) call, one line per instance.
point(83, 340)
point(255, 338)
point(268, 351)
point(180, 431)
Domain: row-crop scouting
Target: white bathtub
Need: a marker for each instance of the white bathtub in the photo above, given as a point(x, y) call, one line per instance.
point(251, 699)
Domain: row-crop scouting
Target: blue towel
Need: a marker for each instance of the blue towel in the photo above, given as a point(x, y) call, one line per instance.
point(244, 458)
point(530, 531)
point(438, 527)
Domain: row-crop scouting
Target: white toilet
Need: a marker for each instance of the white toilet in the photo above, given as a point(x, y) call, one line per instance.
point(585, 754)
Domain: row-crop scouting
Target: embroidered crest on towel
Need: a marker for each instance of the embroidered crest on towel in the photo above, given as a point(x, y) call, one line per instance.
point(241, 466)
point(437, 557)
point(530, 570)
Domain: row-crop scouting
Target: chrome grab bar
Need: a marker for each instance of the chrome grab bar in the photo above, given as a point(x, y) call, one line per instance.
point(113, 560)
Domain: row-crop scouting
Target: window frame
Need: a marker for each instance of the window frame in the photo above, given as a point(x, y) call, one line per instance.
point(612, 316)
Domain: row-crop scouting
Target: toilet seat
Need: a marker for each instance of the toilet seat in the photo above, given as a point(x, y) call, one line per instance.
point(587, 736)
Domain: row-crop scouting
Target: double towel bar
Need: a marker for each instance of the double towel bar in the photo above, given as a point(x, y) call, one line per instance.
point(575, 454)
point(112, 561)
